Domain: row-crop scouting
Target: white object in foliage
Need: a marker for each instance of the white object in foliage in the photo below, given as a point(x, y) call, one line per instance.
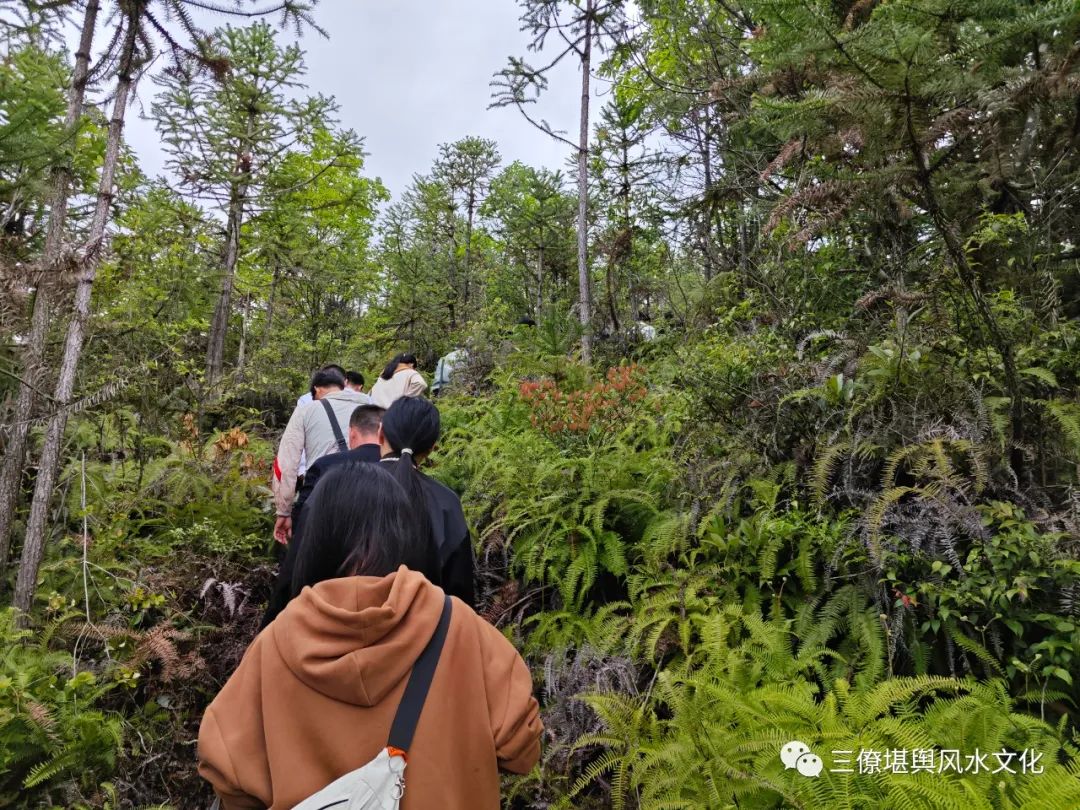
point(445, 368)
point(379, 785)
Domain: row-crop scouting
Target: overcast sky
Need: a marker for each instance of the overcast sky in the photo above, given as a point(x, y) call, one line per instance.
point(411, 74)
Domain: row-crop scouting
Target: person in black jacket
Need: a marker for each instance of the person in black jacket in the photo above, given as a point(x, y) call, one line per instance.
point(364, 446)
point(410, 428)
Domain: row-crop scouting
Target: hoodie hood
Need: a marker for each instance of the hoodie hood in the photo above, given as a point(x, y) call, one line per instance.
point(354, 639)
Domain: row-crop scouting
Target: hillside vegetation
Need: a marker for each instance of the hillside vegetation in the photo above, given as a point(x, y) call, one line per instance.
point(768, 427)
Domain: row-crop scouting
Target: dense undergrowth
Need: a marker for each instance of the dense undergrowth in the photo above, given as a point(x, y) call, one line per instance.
point(690, 595)
point(146, 607)
point(835, 501)
point(713, 599)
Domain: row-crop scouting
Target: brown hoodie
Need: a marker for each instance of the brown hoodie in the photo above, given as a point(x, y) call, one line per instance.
point(316, 692)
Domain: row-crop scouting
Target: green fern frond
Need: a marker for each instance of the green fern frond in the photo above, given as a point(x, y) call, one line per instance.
point(971, 646)
point(875, 515)
point(895, 459)
point(1067, 417)
point(63, 760)
point(825, 467)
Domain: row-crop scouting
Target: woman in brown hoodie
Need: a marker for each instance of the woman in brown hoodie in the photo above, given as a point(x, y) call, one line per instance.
point(315, 694)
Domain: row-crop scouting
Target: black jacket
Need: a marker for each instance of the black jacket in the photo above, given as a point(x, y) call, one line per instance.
point(365, 452)
point(281, 594)
point(451, 535)
point(448, 527)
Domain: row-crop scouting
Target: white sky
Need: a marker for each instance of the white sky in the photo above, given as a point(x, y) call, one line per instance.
point(411, 74)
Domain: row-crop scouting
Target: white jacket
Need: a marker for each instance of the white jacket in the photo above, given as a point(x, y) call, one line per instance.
point(309, 434)
point(406, 383)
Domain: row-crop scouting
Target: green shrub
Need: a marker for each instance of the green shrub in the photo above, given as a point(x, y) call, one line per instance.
point(56, 741)
point(711, 732)
point(571, 507)
point(1009, 605)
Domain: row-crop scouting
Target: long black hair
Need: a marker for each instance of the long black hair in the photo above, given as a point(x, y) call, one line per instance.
point(359, 521)
point(411, 426)
point(391, 367)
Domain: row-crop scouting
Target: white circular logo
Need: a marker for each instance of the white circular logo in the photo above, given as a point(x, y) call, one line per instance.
point(791, 752)
point(809, 764)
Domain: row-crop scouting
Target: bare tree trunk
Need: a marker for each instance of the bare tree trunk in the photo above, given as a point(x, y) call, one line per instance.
point(34, 353)
point(219, 326)
point(452, 266)
point(48, 467)
point(706, 214)
point(540, 282)
point(270, 302)
point(627, 256)
point(468, 248)
point(584, 288)
point(970, 280)
point(612, 309)
point(242, 351)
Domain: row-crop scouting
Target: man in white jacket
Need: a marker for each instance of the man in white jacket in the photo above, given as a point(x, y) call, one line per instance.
point(309, 396)
point(314, 430)
point(445, 367)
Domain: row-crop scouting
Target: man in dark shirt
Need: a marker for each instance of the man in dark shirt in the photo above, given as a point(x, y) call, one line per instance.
point(363, 446)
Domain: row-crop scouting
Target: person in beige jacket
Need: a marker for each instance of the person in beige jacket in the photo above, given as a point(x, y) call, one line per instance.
point(315, 694)
point(399, 379)
point(309, 436)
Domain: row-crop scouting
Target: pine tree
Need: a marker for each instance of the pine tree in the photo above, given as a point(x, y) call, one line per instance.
point(533, 215)
point(466, 168)
point(222, 135)
point(131, 48)
point(33, 360)
point(591, 24)
point(308, 268)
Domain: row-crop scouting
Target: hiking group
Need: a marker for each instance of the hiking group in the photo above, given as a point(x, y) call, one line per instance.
point(370, 654)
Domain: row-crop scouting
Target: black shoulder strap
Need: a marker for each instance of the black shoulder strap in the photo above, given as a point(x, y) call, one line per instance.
point(342, 445)
point(412, 702)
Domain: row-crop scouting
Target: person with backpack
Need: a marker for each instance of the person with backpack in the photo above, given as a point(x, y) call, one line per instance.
point(444, 368)
point(306, 398)
point(373, 686)
point(399, 379)
point(410, 428)
point(313, 431)
point(364, 446)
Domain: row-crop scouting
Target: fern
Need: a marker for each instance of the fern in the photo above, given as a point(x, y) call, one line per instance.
point(53, 732)
point(1067, 417)
point(825, 467)
point(63, 760)
point(974, 648)
point(665, 536)
point(1043, 375)
point(875, 515)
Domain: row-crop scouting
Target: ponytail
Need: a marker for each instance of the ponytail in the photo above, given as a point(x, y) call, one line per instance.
point(411, 427)
point(405, 473)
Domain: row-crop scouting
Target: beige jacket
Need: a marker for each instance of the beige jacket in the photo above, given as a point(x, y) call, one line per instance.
point(317, 690)
point(310, 435)
point(406, 383)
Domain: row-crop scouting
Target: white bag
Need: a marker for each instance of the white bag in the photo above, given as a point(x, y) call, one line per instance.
point(379, 785)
